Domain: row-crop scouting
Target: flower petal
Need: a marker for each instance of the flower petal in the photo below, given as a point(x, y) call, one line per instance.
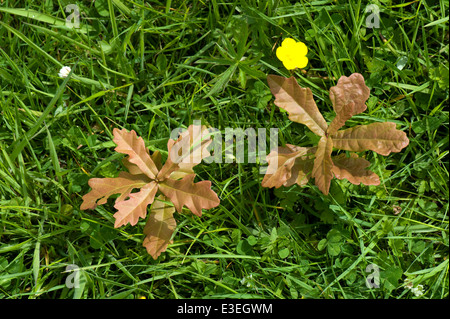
point(289, 64)
point(282, 53)
point(302, 62)
point(288, 42)
point(301, 48)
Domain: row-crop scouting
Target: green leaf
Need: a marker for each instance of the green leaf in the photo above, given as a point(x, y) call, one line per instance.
point(161, 62)
point(244, 248)
point(322, 244)
point(391, 276)
point(284, 253)
point(102, 7)
point(335, 242)
point(334, 249)
point(252, 240)
point(222, 80)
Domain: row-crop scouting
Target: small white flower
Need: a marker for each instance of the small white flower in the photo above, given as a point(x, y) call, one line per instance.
point(417, 291)
point(247, 281)
point(408, 283)
point(64, 72)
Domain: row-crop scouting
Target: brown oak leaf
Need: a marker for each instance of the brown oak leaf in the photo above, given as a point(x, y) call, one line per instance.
point(323, 165)
point(287, 165)
point(159, 227)
point(353, 169)
point(298, 102)
point(349, 98)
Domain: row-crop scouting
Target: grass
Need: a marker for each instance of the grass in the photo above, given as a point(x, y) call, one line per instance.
point(155, 66)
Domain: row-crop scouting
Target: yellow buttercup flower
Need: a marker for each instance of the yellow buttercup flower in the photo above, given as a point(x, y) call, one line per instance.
point(292, 54)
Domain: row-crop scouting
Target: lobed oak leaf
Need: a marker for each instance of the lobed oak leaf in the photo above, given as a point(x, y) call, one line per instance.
point(349, 98)
point(302, 169)
point(382, 138)
point(323, 165)
point(298, 102)
point(135, 170)
point(353, 169)
point(103, 188)
point(186, 152)
point(129, 211)
point(132, 145)
point(286, 166)
point(156, 158)
point(184, 192)
point(169, 166)
point(132, 168)
point(191, 145)
point(159, 227)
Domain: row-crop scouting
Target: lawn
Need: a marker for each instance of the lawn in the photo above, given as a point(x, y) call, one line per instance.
point(155, 66)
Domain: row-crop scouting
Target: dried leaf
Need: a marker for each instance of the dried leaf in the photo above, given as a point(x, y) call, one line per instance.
point(323, 165)
point(184, 192)
point(281, 163)
point(102, 188)
point(156, 158)
point(191, 146)
point(128, 143)
point(135, 170)
point(129, 211)
point(302, 169)
point(132, 169)
point(349, 98)
point(353, 169)
point(298, 102)
point(159, 227)
point(382, 138)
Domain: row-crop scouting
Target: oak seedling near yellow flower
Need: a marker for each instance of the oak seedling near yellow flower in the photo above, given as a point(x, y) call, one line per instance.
point(292, 54)
point(295, 165)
